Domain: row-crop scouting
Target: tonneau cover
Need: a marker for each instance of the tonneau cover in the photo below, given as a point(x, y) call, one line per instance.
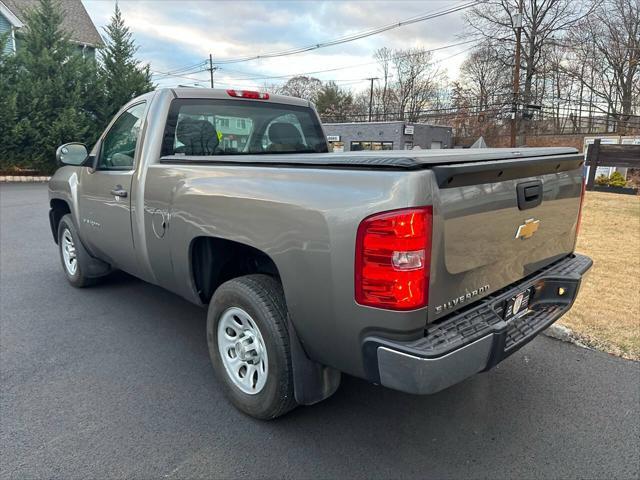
point(395, 159)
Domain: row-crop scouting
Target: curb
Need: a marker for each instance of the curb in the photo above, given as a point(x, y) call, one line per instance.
point(564, 334)
point(23, 179)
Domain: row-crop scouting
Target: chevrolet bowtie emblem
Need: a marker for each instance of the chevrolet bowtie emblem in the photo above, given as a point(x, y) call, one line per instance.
point(528, 228)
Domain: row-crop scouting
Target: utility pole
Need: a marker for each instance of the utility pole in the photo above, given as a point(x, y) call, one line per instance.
point(371, 96)
point(516, 76)
point(211, 69)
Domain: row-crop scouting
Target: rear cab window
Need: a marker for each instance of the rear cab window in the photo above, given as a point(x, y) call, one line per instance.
point(204, 127)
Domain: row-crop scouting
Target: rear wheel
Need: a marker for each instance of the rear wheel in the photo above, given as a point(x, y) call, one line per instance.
point(73, 264)
point(249, 345)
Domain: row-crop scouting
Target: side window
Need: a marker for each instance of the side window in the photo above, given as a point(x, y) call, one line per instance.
point(357, 146)
point(119, 145)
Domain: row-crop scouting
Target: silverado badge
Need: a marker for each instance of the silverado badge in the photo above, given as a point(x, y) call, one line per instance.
point(528, 228)
point(456, 302)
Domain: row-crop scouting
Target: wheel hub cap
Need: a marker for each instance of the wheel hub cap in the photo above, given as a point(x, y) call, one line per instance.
point(248, 348)
point(69, 252)
point(242, 350)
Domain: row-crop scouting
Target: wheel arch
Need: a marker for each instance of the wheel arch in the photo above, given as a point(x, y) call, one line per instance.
point(313, 382)
point(58, 209)
point(215, 260)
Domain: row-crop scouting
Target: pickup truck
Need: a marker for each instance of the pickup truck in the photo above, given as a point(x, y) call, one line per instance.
point(411, 269)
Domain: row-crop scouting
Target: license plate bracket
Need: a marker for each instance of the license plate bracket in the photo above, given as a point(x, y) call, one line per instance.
point(517, 304)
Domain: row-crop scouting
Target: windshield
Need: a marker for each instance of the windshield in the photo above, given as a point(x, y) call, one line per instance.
point(234, 127)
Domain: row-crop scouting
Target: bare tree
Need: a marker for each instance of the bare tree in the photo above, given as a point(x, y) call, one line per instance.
point(556, 90)
point(301, 87)
point(408, 82)
point(545, 22)
point(417, 82)
point(384, 96)
point(606, 57)
point(482, 78)
point(462, 119)
point(360, 107)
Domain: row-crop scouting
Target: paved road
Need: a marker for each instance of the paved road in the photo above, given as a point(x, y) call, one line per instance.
point(115, 381)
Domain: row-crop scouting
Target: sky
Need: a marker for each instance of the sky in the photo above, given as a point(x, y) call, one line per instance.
point(175, 34)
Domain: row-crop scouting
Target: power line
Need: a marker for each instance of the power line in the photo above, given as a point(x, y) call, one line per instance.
point(188, 68)
point(344, 67)
point(353, 37)
point(167, 76)
point(291, 75)
point(252, 76)
point(449, 111)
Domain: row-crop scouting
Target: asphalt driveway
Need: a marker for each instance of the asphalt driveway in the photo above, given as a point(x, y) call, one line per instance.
point(115, 381)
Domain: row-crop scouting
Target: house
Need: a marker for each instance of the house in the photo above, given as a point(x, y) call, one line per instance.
point(76, 22)
point(396, 135)
point(234, 132)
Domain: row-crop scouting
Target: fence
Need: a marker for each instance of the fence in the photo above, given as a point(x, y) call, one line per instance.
point(599, 155)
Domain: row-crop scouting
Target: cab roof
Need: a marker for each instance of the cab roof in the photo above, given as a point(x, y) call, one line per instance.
point(219, 93)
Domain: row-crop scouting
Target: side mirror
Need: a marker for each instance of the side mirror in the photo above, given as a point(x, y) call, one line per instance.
point(72, 154)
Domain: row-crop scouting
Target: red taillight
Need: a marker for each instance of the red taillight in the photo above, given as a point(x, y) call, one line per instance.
point(393, 256)
point(248, 94)
point(584, 186)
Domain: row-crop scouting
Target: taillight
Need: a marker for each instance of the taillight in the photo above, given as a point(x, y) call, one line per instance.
point(248, 94)
point(584, 186)
point(393, 256)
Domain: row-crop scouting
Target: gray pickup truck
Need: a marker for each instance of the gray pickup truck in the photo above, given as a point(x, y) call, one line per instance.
point(411, 269)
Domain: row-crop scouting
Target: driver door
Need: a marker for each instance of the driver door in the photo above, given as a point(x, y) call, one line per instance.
point(105, 193)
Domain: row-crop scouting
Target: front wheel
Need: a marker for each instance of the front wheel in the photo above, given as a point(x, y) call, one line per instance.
point(249, 345)
point(73, 263)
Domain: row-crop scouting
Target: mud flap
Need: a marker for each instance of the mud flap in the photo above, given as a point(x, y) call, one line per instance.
point(312, 381)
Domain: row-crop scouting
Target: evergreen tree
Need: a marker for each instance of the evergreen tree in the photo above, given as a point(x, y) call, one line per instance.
point(49, 84)
point(122, 75)
point(8, 111)
point(333, 103)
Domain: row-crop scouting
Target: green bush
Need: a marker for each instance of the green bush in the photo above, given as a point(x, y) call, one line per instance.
point(617, 180)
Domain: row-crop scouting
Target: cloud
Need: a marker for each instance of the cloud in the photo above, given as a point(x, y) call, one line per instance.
point(174, 34)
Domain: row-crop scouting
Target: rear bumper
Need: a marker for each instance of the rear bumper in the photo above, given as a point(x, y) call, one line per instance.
point(476, 339)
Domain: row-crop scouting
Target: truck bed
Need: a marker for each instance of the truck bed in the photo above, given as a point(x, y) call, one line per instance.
point(473, 193)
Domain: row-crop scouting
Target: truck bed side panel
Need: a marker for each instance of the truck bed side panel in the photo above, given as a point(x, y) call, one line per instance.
point(306, 221)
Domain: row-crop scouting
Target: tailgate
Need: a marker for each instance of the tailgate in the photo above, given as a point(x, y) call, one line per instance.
point(497, 222)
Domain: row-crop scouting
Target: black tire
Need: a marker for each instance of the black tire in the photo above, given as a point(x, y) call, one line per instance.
point(260, 296)
point(78, 277)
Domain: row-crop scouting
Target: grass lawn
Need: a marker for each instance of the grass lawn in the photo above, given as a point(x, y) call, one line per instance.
point(606, 314)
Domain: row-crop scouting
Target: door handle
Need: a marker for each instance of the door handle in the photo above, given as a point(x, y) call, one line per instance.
point(529, 194)
point(119, 192)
